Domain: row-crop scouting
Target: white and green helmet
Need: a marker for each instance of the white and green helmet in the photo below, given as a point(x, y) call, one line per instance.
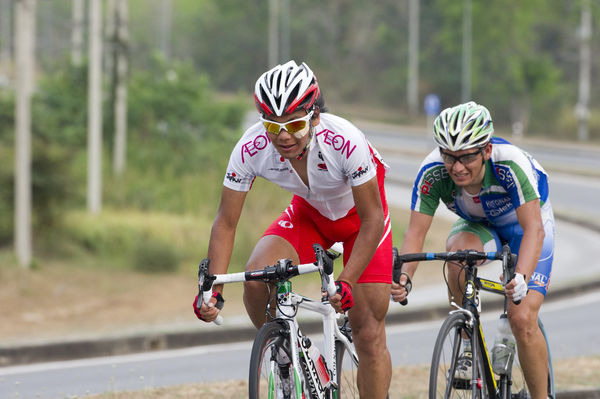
point(463, 126)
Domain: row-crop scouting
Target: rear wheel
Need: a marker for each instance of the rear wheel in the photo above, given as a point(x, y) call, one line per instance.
point(519, 387)
point(271, 372)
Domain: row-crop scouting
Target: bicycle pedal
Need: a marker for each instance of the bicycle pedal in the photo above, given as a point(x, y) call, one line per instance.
point(461, 384)
point(522, 394)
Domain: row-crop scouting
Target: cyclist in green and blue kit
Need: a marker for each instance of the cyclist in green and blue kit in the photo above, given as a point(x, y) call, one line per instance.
point(500, 194)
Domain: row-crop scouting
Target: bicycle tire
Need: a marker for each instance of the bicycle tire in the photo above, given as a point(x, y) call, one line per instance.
point(448, 346)
point(518, 388)
point(267, 378)
point(347, 369)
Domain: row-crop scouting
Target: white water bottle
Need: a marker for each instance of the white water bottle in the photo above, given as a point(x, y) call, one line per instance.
point(503, 351)
point(319, 362)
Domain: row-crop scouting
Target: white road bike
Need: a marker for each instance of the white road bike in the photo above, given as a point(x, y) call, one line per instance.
point(285, 362)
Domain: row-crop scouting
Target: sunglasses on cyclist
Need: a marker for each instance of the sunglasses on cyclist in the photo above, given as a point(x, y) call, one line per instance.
point(292, 127)
point(463, 159)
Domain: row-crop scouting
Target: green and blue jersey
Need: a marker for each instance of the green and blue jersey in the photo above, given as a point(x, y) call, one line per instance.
point(512, 178)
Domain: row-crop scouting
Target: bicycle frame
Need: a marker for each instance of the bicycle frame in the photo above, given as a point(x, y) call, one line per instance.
point(331, 333)
point(471, 310)
point(286, 299)
point(471, 306)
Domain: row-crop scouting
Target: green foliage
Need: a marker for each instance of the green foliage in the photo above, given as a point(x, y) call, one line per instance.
point(50, 183)
point(180, 137)
point(154, 256)
point(60, 107)
point(129, 239)
point(524, 53)
point(180, 134)
point(6, 195)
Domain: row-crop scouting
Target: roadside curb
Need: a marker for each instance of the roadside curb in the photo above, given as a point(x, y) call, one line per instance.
point(155, 341)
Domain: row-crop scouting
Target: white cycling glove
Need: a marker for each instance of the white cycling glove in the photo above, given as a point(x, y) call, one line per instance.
point(520, 287)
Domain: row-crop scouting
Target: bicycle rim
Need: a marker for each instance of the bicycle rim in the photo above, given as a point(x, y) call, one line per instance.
point(271, 373)
point(347, 368)
point(443, 379)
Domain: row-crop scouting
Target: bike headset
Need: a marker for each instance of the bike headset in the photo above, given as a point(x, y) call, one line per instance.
point(287, 88)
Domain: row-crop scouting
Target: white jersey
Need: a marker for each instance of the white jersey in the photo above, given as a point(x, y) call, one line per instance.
point(339, 157)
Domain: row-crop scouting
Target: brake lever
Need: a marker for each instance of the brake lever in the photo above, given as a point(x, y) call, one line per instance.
point(397, 271)
point(205, 282)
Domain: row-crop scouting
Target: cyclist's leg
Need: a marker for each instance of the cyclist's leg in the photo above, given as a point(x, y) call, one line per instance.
point(267, 251)
point(467, 235)
point(290, 236)
point(523, 318)
point(367, 319)
point(531, 344)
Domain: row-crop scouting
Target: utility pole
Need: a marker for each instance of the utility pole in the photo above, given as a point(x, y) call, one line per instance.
point(120, 145)
point(285, 31)
point(24, 73)
point(5, 36)
point(413, 56)
point(108, 45)
point(94, 191)
point(466, 50)
point(273, 33)
point(77, 14)
point(582, 109)
point(166, 15)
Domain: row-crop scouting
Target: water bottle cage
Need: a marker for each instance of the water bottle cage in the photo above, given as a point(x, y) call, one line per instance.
point(502, 358)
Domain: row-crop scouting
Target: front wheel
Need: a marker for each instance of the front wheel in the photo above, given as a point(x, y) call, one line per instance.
point(447, 379)
point(271, 372)
point(347, 367)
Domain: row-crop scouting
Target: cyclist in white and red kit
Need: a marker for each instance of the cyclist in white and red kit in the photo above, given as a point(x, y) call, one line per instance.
point(337, 179)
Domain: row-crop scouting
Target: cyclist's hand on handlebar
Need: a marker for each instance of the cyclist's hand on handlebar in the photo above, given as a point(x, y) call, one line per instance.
point(516, 289)
point(209, 312)
point(401, 289)
point(342, 300)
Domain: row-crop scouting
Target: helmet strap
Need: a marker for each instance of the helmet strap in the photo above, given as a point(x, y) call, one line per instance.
point(308, 144)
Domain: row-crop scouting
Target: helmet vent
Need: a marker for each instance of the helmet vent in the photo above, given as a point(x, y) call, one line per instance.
point(285, 88)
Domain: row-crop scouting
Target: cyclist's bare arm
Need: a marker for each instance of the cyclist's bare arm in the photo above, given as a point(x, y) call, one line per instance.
point(221, 241)
point(414, 238)
point(370, 211)
point(530, 219)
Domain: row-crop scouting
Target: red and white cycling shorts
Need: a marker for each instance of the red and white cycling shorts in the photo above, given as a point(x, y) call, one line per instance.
point(302, 226)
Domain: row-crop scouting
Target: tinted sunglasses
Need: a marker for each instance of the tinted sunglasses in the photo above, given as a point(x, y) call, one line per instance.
point(291, 127)
point(464, 159)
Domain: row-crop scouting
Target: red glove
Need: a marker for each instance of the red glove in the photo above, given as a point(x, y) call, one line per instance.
point(345, 290)
point(218, 305)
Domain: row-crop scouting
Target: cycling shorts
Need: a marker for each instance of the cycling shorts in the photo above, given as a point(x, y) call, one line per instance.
point(302, 226)
point(492, 239)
